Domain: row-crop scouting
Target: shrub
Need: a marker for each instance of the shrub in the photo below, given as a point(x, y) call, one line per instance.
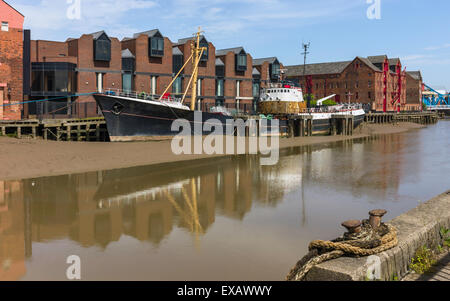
point(422, 261)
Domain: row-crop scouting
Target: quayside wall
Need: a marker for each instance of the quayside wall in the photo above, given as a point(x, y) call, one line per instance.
point(416, 228)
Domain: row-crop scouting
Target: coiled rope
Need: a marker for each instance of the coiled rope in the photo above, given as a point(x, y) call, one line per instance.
point(365, 243)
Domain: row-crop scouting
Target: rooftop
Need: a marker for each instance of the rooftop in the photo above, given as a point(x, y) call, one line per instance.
point(317, 69)
point(150, 33)
point(236, 50)
point(259, 62)
point(417, 75)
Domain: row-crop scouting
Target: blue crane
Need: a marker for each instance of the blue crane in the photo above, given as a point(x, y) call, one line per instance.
point(436, 99)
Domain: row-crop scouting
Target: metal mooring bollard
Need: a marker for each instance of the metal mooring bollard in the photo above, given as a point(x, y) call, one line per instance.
point(353, 226)
point(375, 217)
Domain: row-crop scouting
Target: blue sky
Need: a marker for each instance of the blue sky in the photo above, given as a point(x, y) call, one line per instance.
point(417, 31)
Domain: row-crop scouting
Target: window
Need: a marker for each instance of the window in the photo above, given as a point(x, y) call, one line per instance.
point(127, 82)
point(99, 82)
point(102, 49)
point(153, 85)
point(219, 87)
point(178, 86)
point(370, 95)
point(199, 87)
point(241, 62)
point(370, 83)
point(5, 26)
point(205, 55)
point(275, 71)
point(50, 79)
point(256, 88)
point(238, 89)
point(178, 62)
point(156, 48)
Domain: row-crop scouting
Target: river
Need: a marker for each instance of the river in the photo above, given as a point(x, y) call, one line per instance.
point(215, 219)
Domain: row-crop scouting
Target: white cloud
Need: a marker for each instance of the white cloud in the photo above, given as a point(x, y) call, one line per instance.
point(47, 17)
point(432, 48)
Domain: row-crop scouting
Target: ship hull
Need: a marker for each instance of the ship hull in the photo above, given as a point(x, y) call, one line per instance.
point(128, 119)
point(322, 121)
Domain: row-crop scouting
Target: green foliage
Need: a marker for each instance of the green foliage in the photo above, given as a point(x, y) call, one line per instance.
point(445, 234)
point(424, 106)
point(422, 261)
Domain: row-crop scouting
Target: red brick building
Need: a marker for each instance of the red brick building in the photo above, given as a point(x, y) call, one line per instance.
point(62, 70)
point(236, 71)
point(153, 61)
point(414, 84)
point(269, 70)
point(359, 81)
point(11, 62)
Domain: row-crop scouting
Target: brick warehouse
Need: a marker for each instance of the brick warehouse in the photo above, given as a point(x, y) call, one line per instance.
point(414, 84)
point(360, 81)
point(11, 61)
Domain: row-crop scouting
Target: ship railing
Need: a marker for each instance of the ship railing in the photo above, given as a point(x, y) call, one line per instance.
point(140, 95)
point(335, 109)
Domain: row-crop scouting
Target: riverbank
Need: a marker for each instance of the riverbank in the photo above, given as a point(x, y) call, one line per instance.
point(25, 158)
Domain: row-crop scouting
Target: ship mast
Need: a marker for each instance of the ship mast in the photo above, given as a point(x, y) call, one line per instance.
point(197, 53)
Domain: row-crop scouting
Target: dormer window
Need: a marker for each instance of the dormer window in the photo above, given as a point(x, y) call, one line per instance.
point(102, 48)
point(241, 61)
point(275, 71)
point(156, 48)
point(178, 60)
point(205, 55)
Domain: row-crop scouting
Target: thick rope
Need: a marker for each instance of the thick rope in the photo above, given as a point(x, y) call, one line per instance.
point(367, 242)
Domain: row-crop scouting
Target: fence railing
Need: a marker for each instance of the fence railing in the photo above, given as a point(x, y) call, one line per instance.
point(62, 110)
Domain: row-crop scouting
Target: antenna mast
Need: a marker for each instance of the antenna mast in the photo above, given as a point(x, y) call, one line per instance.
point(305, 47)
point(305, 53)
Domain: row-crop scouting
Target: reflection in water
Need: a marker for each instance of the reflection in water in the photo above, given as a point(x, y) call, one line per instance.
point(149, 203)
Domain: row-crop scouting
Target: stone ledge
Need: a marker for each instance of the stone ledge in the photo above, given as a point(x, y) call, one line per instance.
point(420, 226)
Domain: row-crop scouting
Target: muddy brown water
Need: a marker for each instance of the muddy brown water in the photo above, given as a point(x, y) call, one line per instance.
point(219, 219)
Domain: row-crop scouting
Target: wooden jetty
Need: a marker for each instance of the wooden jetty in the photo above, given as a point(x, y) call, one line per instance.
point(419, 117)
point(20, 129)
point(89, 129)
